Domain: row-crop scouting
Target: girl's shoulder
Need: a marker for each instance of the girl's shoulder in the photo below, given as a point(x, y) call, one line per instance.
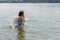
point(20, 16)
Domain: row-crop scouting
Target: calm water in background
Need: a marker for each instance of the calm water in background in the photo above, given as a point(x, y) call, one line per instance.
point(43, 21)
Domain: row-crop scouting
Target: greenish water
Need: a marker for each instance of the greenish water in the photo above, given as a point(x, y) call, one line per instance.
point(43, 21)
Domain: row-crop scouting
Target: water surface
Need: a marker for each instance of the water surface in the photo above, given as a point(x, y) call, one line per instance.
point(43, 23)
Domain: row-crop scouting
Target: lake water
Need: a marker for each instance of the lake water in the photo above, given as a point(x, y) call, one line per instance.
point(43, 21)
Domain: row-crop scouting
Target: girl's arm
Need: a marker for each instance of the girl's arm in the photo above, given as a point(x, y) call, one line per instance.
point(23, 18)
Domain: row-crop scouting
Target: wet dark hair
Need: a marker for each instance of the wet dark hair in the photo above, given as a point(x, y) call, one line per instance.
point(21, 13)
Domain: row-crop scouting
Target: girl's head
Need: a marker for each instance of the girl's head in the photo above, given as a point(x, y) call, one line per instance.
point(21, 13)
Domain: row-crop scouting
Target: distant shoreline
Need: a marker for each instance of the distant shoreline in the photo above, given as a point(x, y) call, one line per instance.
point(29, 1)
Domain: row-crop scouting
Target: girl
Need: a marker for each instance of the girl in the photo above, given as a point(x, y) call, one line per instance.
point(20, 19)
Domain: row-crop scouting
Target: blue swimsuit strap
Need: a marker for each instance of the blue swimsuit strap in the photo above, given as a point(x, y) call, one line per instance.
point(19, 23)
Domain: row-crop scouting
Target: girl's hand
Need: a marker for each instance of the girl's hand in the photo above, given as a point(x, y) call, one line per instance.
point(23, 18)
